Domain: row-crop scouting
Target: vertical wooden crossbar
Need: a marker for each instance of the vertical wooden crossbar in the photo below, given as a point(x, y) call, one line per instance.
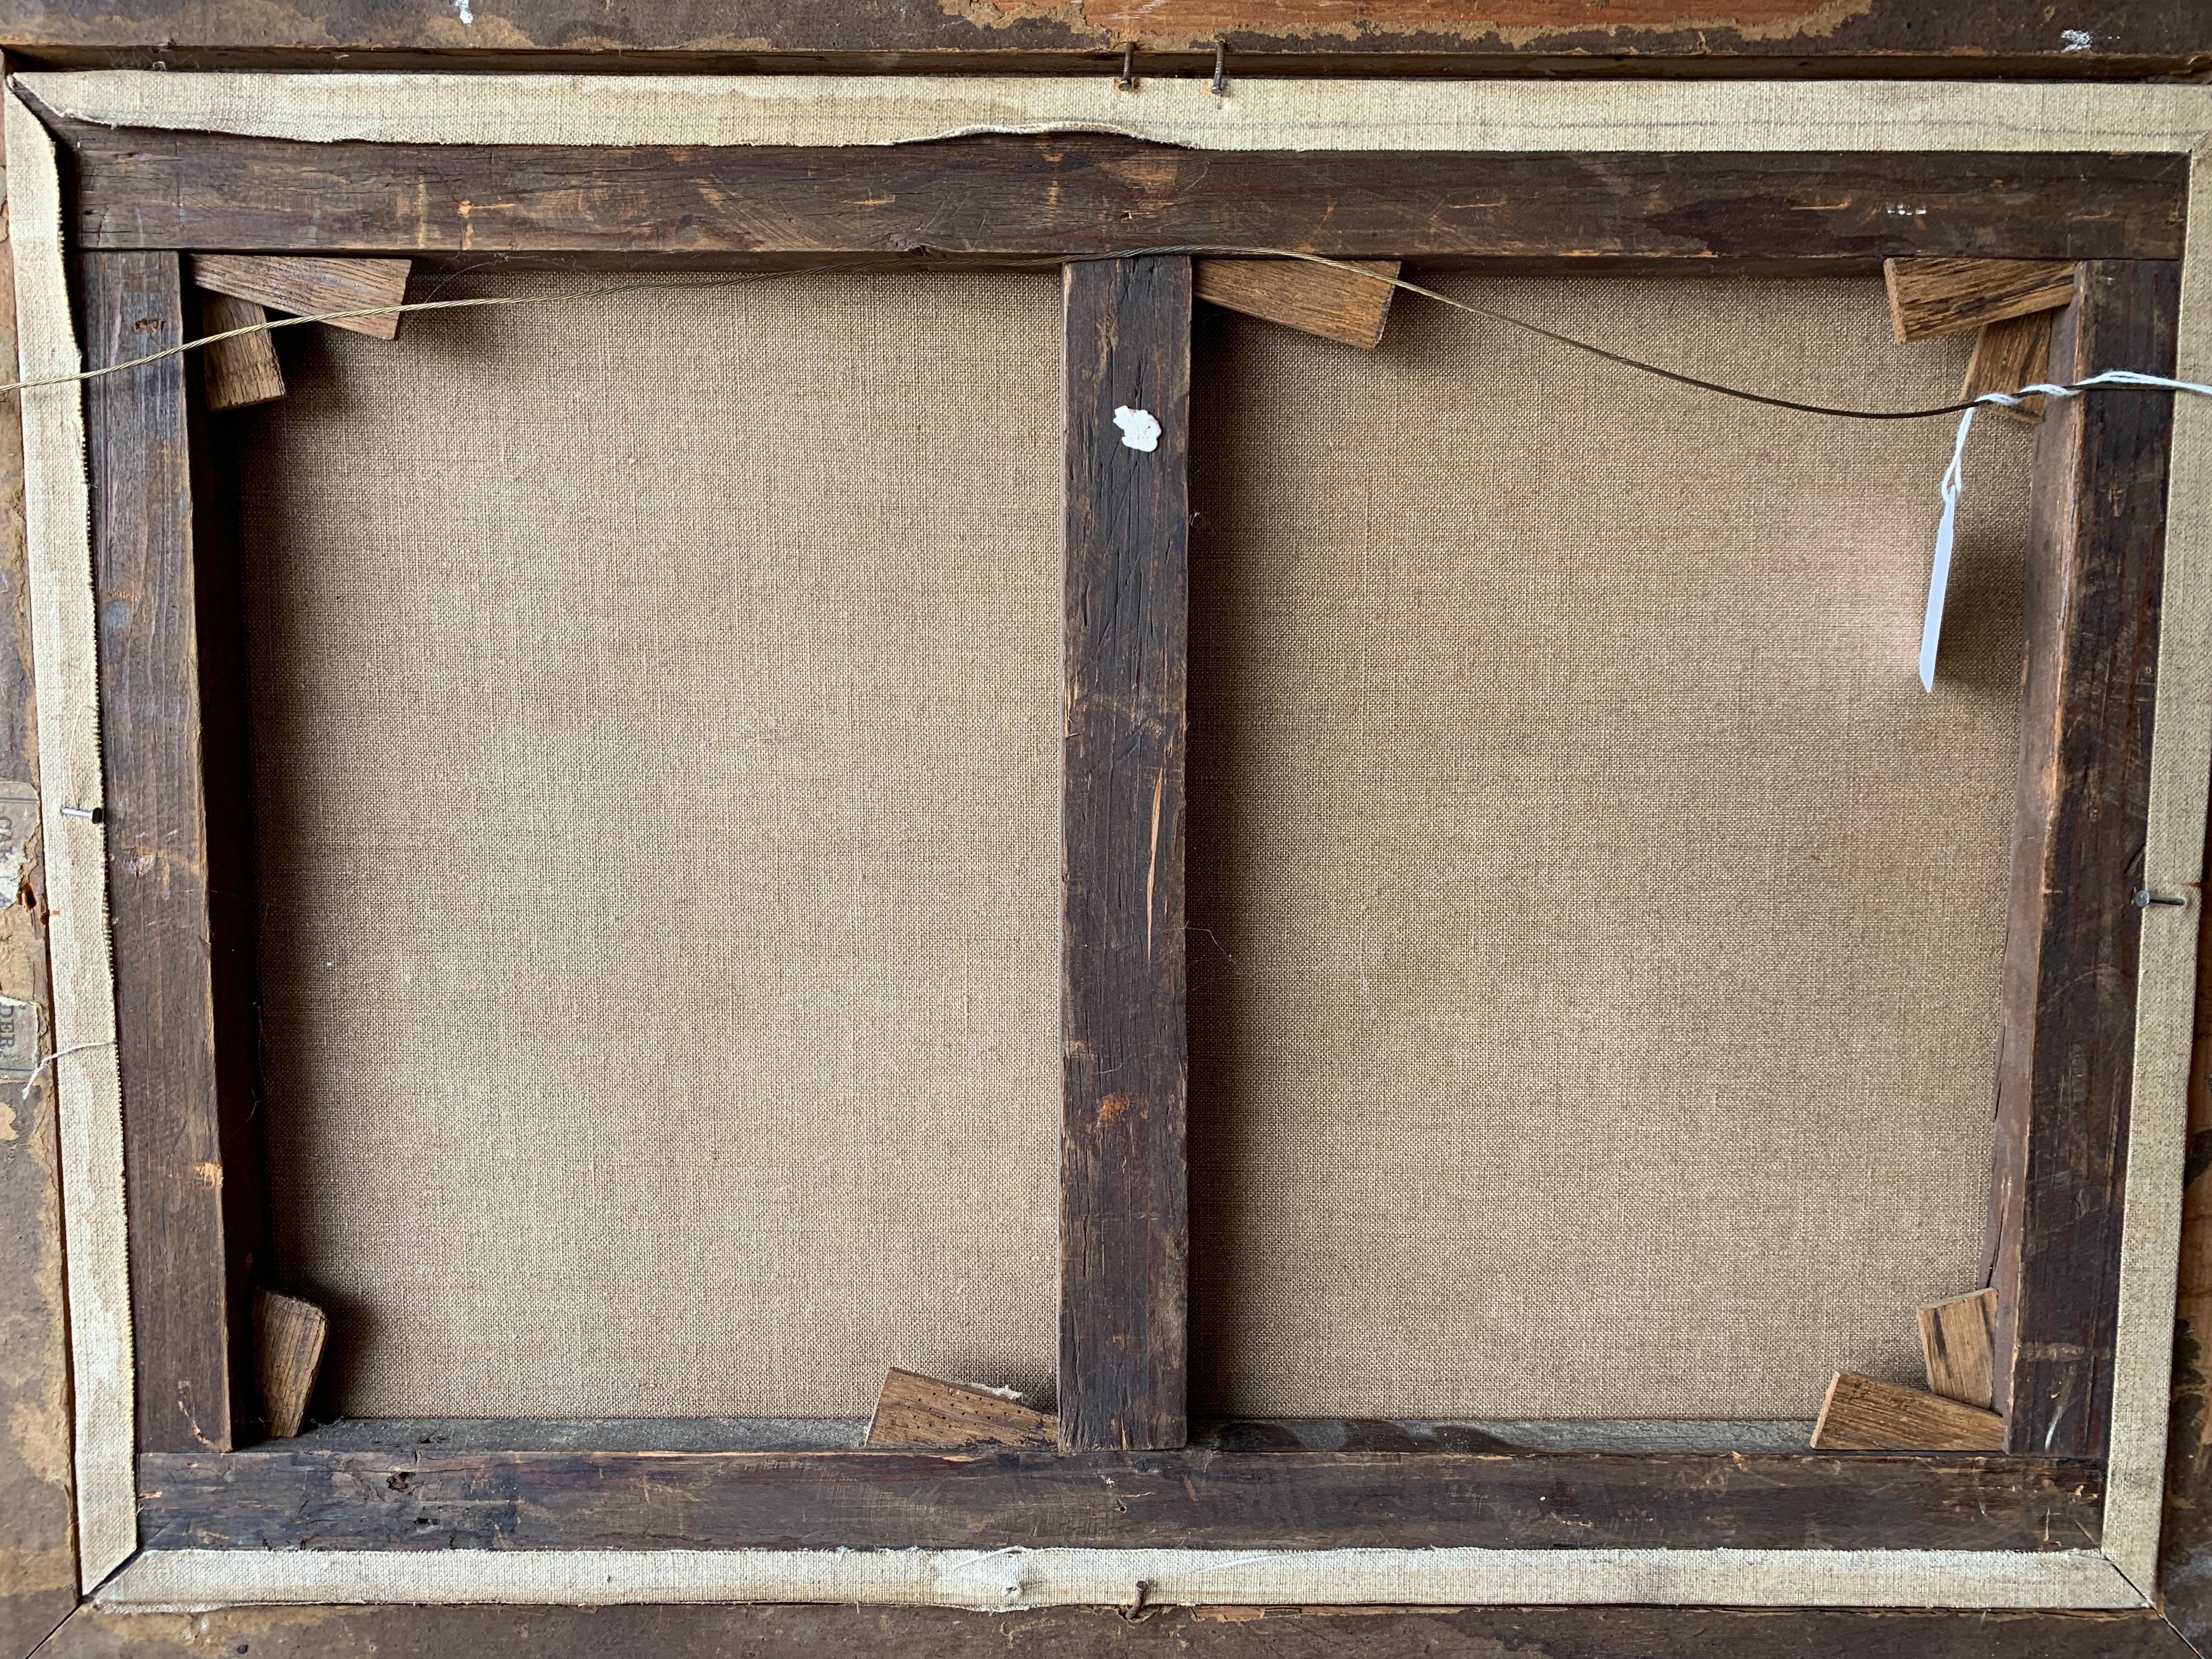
point(2095, 557)
point(178, 875)
point(1124, 1228)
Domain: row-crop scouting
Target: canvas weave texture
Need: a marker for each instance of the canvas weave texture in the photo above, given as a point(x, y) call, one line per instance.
point(656, 736)
point(1595, 931)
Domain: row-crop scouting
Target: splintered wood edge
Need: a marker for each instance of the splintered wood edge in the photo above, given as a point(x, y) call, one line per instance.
point(1957, 1341)
point(1929, 297)
point(242, 371)
point(914, 1410)
point(2009, 355)
point(288, 1335)
point(1861, 1414)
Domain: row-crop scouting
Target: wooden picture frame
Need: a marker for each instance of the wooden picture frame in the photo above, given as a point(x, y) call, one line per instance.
point(2082, 1189)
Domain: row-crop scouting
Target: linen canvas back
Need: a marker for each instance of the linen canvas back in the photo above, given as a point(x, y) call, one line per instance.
point(1594, 930)
point(656, 730)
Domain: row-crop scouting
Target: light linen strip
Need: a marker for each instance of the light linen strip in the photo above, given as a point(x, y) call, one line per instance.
point(1008, 1579)
point(64, 655)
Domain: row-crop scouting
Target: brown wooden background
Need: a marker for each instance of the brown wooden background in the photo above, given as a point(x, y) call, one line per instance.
point(1772, 39)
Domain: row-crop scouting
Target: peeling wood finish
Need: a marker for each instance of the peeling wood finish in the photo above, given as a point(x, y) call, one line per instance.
point(1036, 197)
point(276, 1499)
point(1972, 39)
point(177, 890)
point(2095, 565)
point(1124, 1222)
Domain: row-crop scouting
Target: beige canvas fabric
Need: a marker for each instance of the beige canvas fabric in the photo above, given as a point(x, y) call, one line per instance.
point(657, 743)
point(1614, 925)
point(1595, 930)
point(1258, 112)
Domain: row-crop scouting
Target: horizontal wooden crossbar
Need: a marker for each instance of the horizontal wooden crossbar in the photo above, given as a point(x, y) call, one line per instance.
point(1028, 197)
point(279, 1500)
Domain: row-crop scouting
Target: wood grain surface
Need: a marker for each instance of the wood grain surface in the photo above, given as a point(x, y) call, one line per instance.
point(1929, 297)
point(2095, 560)
point(1015, 198)
point(178, 893)
point(921, 1411)
point(277, 1500)
point(1861, 1414)
point(242, 370)
point(310, 287)
point(1124, 1222)
point(1323, 299)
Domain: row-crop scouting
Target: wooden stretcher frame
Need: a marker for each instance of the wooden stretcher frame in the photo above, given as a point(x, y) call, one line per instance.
point(2085, 1181)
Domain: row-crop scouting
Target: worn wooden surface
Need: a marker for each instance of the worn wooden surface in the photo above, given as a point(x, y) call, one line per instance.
point(270, 1498)
point(1862, 1414)
point(310, 286)
point(1323, 299)
point(191, 1170)
point(921, 1411)
point(2008, 356)
point(243, 370)
point(1932, 297)
point(1957, 1341)
point(37, 1557)
point(287, 1350)
point(2094, 564)
point(1015, 197)
point(825, 1632)
point(1970, 39)
point(1124, 1224)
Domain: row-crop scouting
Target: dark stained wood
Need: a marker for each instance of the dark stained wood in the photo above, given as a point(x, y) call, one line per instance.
point(1018, 197)
point(1124, 1225)
point(2094, 562)
point(274, 1498)
point(1969, 39)
point(845, 1632)
point(191, 1175)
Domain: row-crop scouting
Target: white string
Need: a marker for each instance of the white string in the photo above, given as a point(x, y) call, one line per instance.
point(1954, 483)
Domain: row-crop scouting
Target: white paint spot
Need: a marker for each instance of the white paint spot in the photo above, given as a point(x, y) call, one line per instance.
point(1140, 428)
point(2076, 39)
point(462, 9)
